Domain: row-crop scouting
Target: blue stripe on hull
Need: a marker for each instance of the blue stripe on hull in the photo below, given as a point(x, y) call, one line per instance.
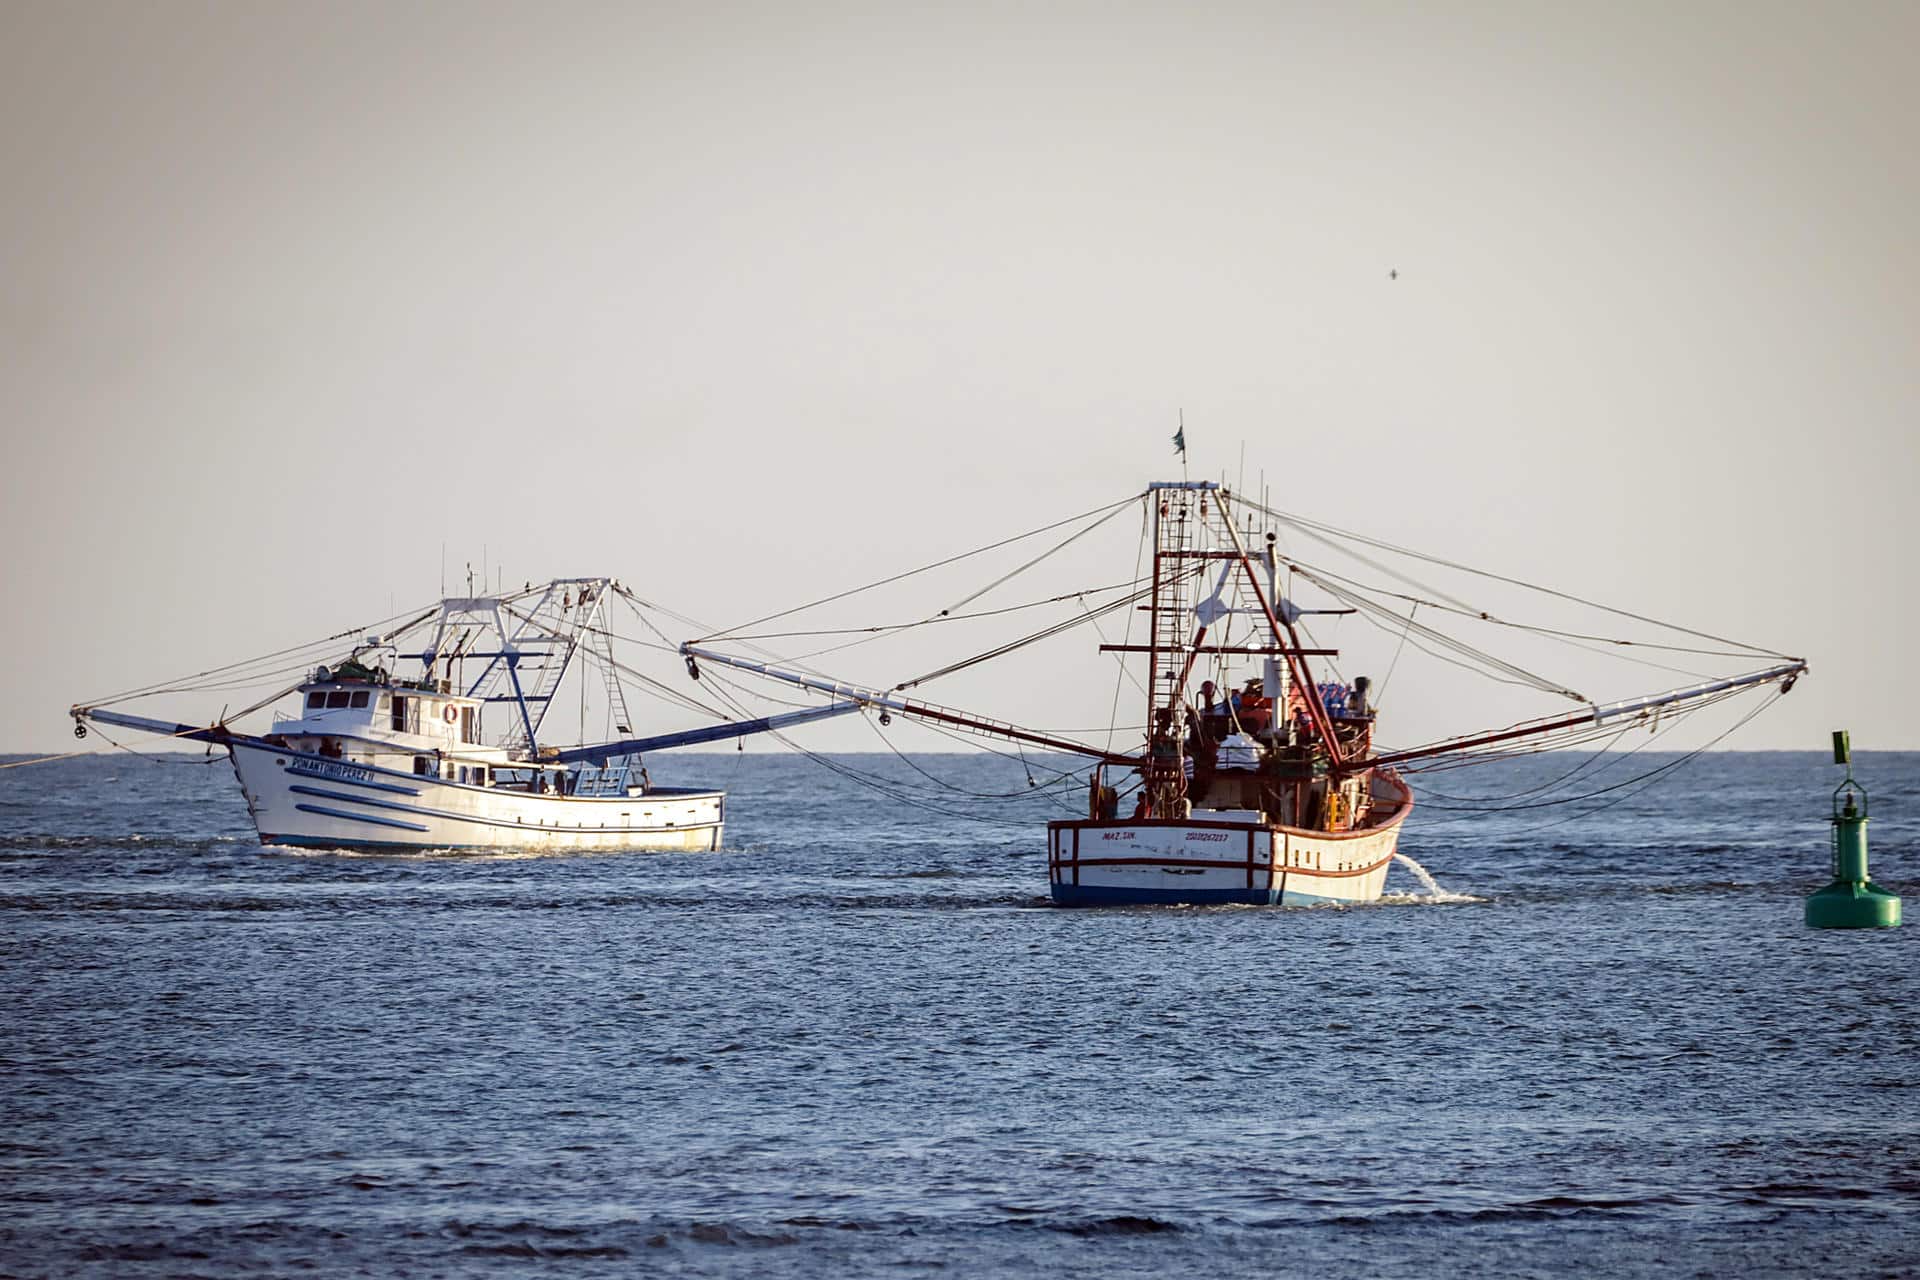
point(360, 817)
point(1092, 895)
point(344, 842)
point(415, 846)
point(295, 770)
point(515, 824)
point(409, 779)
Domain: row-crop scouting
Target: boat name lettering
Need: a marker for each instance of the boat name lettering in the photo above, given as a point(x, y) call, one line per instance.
point(1116, 835)
point(331, 769)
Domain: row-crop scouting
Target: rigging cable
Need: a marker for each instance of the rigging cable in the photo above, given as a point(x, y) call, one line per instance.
point(1104, 511)
point(1310, 527)
point(1381, 692)
point(1139, 552)
point(184, 684)
point(1649, 778)
point(884, 787)
point(1046, 633)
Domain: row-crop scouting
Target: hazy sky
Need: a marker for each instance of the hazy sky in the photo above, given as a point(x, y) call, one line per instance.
point(744, 303)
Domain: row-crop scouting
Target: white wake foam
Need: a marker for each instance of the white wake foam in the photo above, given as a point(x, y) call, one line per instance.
point(1434, 893)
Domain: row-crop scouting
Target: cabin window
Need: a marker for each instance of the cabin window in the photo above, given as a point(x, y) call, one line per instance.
point(466, 725)
point(338, 698)
point(420, 765)
point(316, 700)
point(399, 715)
point(361, 697)
point(463, 773)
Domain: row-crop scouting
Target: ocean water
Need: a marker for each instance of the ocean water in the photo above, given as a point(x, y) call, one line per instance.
point(859, 1041)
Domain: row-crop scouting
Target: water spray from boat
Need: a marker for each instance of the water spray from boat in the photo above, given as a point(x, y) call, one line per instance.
point(1434, 893)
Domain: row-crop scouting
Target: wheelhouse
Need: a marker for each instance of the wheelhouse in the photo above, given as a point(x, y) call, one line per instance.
point(383, 712)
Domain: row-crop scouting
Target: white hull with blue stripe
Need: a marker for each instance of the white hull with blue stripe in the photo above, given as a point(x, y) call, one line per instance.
point(451, 757)
point(307, 800)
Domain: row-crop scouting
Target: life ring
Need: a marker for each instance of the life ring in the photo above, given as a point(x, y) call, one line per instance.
point(452, 713)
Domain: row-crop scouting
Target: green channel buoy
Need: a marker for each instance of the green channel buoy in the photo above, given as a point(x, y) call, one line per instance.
point(1853, 900)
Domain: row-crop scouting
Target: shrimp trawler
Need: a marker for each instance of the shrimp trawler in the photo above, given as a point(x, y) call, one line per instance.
point(370, 758)
point(1256, 780)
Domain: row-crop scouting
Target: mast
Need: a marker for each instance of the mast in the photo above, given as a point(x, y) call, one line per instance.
point(1177, 525)
point(1272, 685)
point(548, 625)
point(1153, 610)
point(1296, 660)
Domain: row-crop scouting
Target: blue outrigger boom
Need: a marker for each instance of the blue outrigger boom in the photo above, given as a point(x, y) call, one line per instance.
point(597, 753)
point(711, 733)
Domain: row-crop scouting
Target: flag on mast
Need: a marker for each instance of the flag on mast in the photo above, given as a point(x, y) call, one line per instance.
point(1180, 441)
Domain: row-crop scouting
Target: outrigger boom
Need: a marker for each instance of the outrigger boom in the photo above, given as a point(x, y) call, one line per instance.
point(219, 733)
point(1786, 674)
point(859, 696)
point(710, 733)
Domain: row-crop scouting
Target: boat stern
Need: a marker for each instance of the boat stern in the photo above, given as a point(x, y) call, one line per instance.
point(1198, 862)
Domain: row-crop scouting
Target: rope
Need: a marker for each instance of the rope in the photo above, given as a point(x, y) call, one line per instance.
point(1126, 672)
point(1103, 511)
point(1045, 633)
point(942, 616)
point(1309, 527)
point(182, 684)
point(1649, 778)
point(68, 755)
point(1398, 650)
point(891, 790)
point(1053, 550)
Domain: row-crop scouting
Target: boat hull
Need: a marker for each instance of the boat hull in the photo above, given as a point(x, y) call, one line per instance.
point(306, 800)
point(1193, 861)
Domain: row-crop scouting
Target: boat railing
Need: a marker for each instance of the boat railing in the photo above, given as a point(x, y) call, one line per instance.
point(611, 780)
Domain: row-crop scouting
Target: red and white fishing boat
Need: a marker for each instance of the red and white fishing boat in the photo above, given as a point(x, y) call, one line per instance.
point(1257, 794)
point(1261, 785)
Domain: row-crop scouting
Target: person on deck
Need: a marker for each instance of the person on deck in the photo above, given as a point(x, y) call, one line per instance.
point(1144, 808)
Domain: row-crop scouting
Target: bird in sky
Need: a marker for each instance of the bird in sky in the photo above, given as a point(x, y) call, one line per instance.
point(1394, 274)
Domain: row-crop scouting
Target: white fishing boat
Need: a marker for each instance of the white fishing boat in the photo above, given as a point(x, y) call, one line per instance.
point(367, 758)
point(1264, 787)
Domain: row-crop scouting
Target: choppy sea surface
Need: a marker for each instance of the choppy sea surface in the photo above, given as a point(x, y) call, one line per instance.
point(859, 1041)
